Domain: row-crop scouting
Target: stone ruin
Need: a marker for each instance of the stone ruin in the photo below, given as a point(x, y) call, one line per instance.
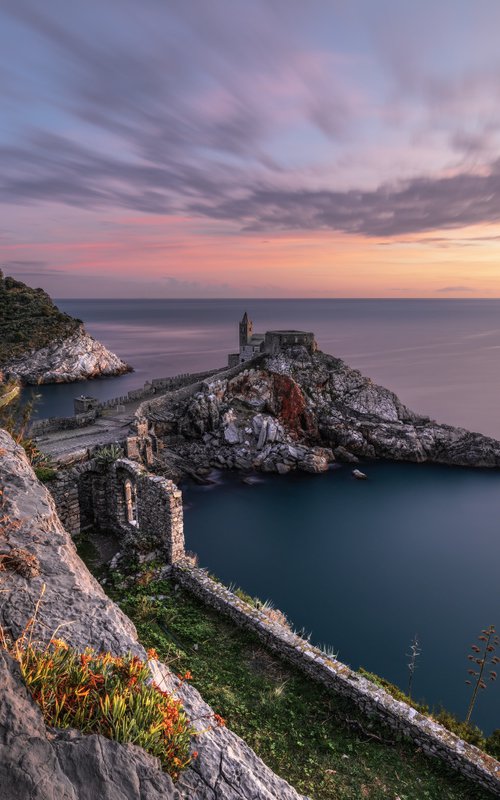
point(123, 498)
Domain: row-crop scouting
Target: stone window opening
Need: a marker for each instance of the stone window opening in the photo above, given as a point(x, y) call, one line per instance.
point(130, 491)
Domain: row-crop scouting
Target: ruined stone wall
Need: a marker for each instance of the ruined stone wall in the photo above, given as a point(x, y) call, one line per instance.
point(431, 737)
point(64, 490)
point(160, 513)
point(40, 426)
point(150, 389)
point(92, 495)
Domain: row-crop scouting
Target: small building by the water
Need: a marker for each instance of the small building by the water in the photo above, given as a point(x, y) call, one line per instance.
point(253, 344)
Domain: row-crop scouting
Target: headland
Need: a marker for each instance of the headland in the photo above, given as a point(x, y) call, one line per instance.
point(41, 344)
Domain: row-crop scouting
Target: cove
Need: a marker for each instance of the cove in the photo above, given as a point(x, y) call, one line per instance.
point(362, 566)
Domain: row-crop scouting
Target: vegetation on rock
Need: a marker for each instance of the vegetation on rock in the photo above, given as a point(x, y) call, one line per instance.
point(29, 320)
point(15, 418)
point(108, 455)
point(45, 473)
point(101, 693)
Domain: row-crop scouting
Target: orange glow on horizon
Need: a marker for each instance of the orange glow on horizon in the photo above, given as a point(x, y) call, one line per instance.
point(180, 256)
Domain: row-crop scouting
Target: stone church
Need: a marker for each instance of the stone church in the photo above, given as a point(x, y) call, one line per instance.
point(253, 344)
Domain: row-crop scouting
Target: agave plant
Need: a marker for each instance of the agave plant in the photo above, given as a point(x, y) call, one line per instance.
point(108, 455)
point(483, 657)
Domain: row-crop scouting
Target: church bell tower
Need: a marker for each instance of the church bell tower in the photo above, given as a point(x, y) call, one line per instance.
point(246, 327)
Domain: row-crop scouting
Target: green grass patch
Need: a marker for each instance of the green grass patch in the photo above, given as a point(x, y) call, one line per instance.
point(317, 741)
point(45, 474)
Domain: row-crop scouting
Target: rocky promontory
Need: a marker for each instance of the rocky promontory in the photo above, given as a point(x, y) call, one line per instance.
point(303, 410)
point(41, 344)
point(74, 358)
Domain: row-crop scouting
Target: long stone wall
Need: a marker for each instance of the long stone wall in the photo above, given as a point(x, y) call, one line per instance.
point(150, 389)
point(40, 426)
point(179, 385)
point(431, 737)
point(154, 408)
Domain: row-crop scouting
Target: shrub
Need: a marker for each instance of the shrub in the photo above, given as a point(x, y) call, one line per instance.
point(15, 418)
point(45, 474)
point(493, 744)
point(101, 693)
point(466, 731)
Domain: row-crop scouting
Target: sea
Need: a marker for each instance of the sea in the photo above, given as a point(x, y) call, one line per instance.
point(360, 567)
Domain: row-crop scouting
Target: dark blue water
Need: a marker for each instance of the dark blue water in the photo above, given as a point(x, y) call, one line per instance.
point(363, 566)
point(441, 356)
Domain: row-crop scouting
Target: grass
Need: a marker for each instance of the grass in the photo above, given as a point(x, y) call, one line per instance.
point(318, 742)
point(45, 474)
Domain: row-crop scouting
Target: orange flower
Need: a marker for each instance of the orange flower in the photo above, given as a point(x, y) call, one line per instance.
point(59, 644)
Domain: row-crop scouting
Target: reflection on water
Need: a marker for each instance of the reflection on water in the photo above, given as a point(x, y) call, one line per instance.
point(364, 565)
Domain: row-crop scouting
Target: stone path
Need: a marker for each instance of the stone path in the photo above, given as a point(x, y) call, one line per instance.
point(111, 427)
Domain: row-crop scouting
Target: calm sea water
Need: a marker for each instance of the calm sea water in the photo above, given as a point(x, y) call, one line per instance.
point(362, 566)
point(442, 357)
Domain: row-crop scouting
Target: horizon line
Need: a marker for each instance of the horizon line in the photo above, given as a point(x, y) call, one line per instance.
point(271, 299)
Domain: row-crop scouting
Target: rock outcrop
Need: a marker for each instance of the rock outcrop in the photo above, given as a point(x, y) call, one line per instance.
point(298, 410)
point(75, 358)
point(40, 764)
point(44, 764)
point(39, 343)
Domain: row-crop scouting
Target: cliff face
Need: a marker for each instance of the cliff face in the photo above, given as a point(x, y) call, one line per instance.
point(46, 764)
point(41, 344)
point(301, 411)
point(75, 358)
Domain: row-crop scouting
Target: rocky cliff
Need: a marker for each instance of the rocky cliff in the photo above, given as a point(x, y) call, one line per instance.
point(43, 764)
point(298, 410)
point(41, 344)
point(75, 358)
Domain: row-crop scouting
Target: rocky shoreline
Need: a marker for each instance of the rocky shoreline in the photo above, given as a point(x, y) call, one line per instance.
point(301, 410)
point(75, 358)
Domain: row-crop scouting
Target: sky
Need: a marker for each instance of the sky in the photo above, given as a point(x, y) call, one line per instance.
point(251, 148)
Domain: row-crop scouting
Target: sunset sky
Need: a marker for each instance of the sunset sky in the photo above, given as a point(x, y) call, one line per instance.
point(251, 148)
